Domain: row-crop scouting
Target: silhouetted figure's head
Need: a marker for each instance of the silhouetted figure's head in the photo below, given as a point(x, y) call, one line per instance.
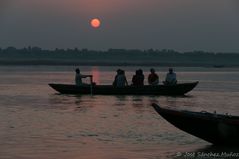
point(152, 70)
point(140, 71)
point(137, 72)
point(170, 70)
point(119, 71)
point(77, 70)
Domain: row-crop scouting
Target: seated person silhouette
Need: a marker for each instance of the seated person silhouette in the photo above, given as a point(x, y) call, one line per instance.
point(171, 78)
point(153, 78)
point(120, 79)
point(138, 78)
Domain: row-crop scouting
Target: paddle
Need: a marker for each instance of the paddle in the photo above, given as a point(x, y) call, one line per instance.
point(91, 84)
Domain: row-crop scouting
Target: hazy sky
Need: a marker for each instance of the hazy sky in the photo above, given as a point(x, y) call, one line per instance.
point(183, 25)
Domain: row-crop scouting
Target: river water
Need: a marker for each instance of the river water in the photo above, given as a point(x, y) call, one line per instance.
point(38, 123)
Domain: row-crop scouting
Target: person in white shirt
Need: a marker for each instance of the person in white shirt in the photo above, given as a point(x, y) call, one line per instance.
point(79, 76)
point(120, 79)
point(171, 77)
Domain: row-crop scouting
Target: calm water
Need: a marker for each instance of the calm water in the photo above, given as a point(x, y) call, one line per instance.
point(38, 123)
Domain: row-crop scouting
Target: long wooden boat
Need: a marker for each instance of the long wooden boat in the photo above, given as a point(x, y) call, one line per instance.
point(178, 89)
point(214, 128)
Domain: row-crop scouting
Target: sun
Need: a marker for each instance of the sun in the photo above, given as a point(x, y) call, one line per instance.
point(95, 23)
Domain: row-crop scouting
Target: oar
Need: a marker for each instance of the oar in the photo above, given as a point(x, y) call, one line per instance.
point(91, 85)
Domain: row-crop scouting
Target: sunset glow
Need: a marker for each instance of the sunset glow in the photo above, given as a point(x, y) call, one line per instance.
point(95, 23)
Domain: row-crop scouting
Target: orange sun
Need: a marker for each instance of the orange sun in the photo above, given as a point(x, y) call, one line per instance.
point(95, 23)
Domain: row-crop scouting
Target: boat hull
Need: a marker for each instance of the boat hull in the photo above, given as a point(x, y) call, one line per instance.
point(214, 128)
point(179, 89)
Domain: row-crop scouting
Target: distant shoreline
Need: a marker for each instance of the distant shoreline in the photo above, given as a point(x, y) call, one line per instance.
point(102, 63)
point(116, 57)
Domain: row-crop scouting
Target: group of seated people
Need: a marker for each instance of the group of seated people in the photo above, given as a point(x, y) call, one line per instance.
point(138, 79)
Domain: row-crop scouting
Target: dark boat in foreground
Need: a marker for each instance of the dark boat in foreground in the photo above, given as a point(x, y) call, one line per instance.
point(178, 89)
point(214, 128)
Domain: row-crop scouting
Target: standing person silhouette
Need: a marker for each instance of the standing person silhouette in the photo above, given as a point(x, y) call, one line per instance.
point(79, 76)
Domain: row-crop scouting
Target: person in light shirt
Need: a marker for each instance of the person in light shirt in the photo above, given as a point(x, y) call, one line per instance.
point(171, 78)
point(79, 76)
point(120, 79)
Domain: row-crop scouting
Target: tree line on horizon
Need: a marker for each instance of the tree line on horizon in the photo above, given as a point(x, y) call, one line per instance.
point(121, 55)
point(84, 50)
